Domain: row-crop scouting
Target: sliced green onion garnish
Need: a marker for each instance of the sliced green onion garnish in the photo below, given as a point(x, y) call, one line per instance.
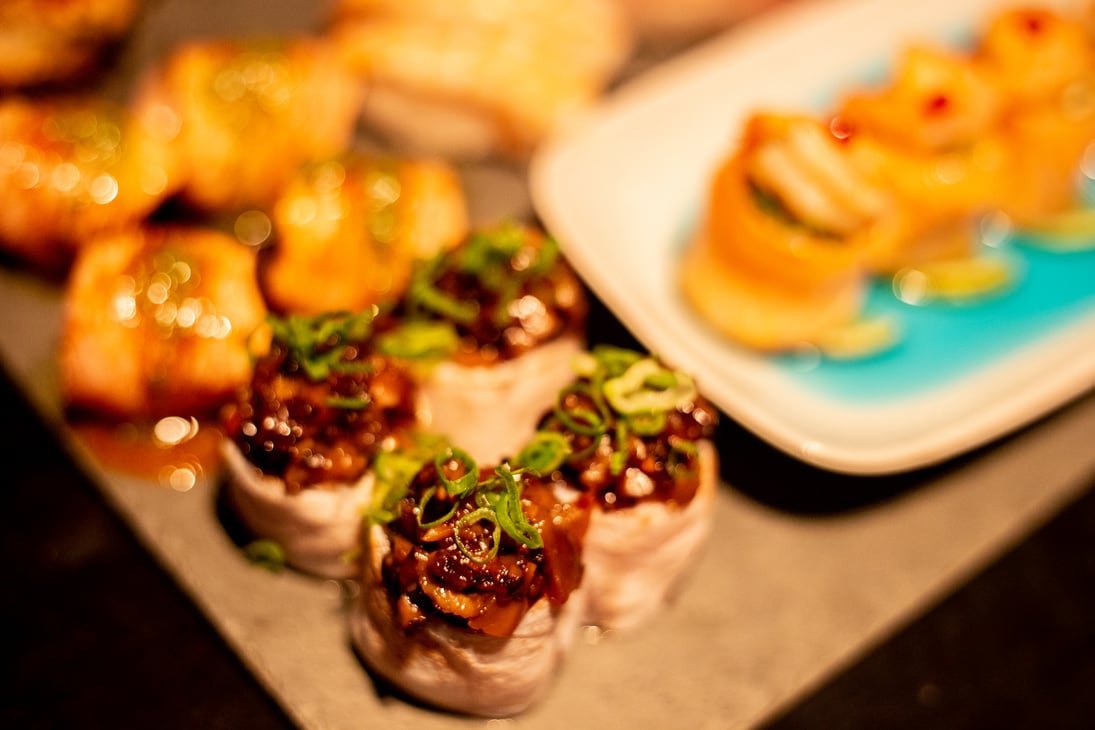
point(318, 343)
point(618, 460)
point(661, 380)
point(461, 486)
point(647, 423)
point(580, 420)
point(395, 470)
point(426, 498)
point(497, 500)
point(349, 403)
point(648, 387)
point(510, 514)
point(483, 514)
point(484, 497)
point(430, 297)
point(546, 257)
point(491, 248)
point(266, 554)
point(615, 361)
point(682, 453)
point(545, 452)
point(419, 340)
point(507, 290)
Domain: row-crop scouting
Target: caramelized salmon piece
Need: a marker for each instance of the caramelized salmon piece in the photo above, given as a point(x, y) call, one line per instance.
point(248, 111)
point(157, 321)
point(475, 79)
point(74, 167)
point(349, 230)
point(58, 41)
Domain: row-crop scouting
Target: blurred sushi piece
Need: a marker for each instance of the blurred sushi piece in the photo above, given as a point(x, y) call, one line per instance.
point(348, 230)
point(1043, 61)
point(59, 41)
point(248, 112)
point(932, 133)
point(778, 258)
point(158, 321)
point(74, 167)
point(477, 78)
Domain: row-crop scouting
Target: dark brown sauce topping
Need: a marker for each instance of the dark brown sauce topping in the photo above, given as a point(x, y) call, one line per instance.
point(454, 570)
point(508, 291)
point(310, 432)
point(545, 308)
point(622, 472)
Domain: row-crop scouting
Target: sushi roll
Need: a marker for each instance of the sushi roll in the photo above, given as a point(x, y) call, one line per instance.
point(778, 257)
point(490, 328)
point(635, 438)
point(74, 167)
point(247, 112)
point(303, 436)
point(471, 590)
point(1035, 53)
point(348, 231)
point(933, 135)
point(1043, 61)
point(59, 41)
point(158, 321)
point(468, 80)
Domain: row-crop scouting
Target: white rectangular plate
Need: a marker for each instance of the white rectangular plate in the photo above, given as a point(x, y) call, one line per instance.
point(620, 190)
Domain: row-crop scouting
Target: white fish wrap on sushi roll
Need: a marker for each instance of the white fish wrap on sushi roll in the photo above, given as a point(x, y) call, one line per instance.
point(319, 529)
point(303, 440)
point(463, 401)
point(471, 591)
point(636, 558)
point(635, 438)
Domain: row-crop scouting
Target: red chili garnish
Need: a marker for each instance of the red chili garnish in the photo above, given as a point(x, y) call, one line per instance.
point(937, 105)
point(1034, 23)
point(841, 129)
